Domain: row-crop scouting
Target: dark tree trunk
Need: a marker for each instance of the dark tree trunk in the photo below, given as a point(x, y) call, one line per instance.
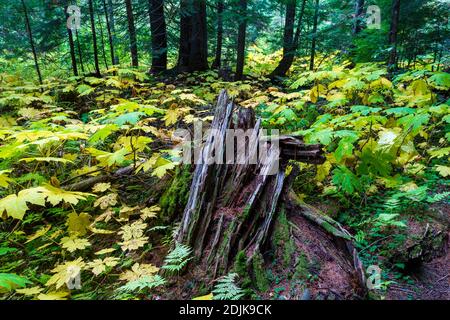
point(159, 35)
point(113, 30)
point(102, 41)
point(132, 34)
point(193, 51)
point(218, 57)
point(94, 38)
point(30, 38)
point(240, 60)
point(359, 14)
point(80, 53)
point(71, 46)
point(314, 39)
point(291, 41)
point(110, 38)
point(392, 63)
point(232, 208)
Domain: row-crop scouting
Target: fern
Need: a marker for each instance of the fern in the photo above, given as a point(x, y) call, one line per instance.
point(226, 289)
point(145, 282)
point(438, 197)
point(178, 258)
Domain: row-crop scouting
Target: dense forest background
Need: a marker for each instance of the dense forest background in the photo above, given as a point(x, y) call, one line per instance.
point(96, 204)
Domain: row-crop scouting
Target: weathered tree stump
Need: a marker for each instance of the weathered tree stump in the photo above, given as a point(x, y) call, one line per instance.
point(232, 207)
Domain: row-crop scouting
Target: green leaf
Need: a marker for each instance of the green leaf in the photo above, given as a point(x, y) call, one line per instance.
point(344, 178)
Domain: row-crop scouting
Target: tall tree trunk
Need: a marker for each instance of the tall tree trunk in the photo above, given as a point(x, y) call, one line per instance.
point(392, 63)
point(291, 41)
point(193, 50)
point(30, 38)
point(132, 34)
point(159, 35)
point(240, 60)
point(314, 39)
point(71, 46)
point(94, 38)
point(218, 57)
point(113, 30)
point(80, 53)
point(359, 14)
point(110, 38)
point(102, 41)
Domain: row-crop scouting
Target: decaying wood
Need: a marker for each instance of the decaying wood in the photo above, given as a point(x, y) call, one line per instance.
point(232, 207)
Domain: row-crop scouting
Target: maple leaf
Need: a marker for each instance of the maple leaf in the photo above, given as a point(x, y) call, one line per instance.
point(99, 266)
point(64, 272)
point(106, 201)
point(30, 291)
point(148, 213)
point(114, 158)
point(56, 195)
point(15, 206)
point(73, 244)
point(137, 271)
point(162, 170)
point(346, 179)
point(443, 171)
point(78, 224)
point(59, 295)
point(171, 117)
point(42, 231)
point(4, 179)
point(105, 251)
point(101, 187)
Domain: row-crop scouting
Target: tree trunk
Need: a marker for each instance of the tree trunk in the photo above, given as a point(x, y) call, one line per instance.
point(71, 46)
point(94, 38)
point(113, 30)
point(232, 208)
point(240, 60)
point(30, 38)
point(314, 39)
point(392, 63)
point(359, 14)
point(80, 54)
point(132, 34)
point(110, 38)
point(291, 41)
point(159, 35)
point(218, 57)
point(193, 50)
point(102, 41)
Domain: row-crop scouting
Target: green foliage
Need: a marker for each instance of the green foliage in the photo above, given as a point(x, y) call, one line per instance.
point(177, 259)
point(226, 288)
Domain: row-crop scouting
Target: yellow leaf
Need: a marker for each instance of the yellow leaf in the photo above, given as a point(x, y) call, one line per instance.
point(443, 171)
point(106, 201)
point(78, 224)
point(207, 297)
point(30, 291)
point(39, 233)
point(101, 187)
point(73, 244)
point(104, 251)
point(4, 179)
point(64, 272)
point(148, 213)
point(61, 295)
point(137, 271)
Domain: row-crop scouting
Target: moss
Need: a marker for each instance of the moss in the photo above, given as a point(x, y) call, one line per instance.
point(302, 267)
point(262, 283)
point(174, 199)
point(241, 268)
point(282, 238)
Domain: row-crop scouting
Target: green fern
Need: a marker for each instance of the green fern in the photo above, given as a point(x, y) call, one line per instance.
point(226, 289)
point(145, 282)
point(178, 258)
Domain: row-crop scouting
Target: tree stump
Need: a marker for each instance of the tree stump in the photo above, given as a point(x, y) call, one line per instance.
point(232, 207)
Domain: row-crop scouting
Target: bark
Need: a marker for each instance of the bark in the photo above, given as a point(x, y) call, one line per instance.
point(113, 29)
point(94, 38)
point(132, 34)
point(193, 49)
point(240, 60)
point(30, 38)
point(291, 41)
point(218, 57)
point(80, 53)
point(71, 46)
point(359, 14)
point(314, 39)
point(110, 37)
point(159, 35)
point(232, 208)
point(392, 63)
point(102, 41)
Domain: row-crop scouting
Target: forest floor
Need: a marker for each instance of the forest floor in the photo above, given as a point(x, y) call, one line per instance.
point(90, 179)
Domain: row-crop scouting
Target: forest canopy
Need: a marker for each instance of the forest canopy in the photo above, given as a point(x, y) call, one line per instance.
point(98, 201)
